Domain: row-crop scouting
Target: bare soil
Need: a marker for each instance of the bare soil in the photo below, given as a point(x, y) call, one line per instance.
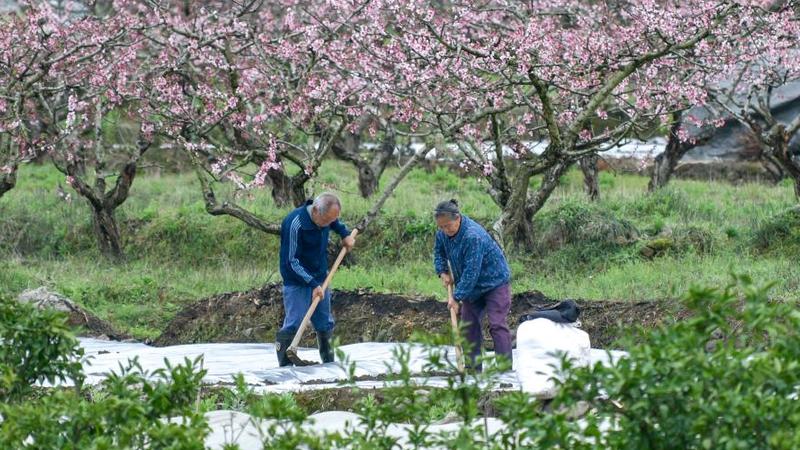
point(365, 316)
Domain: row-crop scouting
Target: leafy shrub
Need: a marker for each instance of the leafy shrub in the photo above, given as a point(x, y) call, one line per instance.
point(781, 231)
point(686, 239)
point(663, 202)
point(576, 222)
point(696, 238)
point(131, 409)
point(726, 377)
point(579, 234)
point(36, 346)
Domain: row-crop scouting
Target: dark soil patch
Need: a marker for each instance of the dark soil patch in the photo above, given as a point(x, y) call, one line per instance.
point(365, 316)
point(335, 399)
point(89, 325)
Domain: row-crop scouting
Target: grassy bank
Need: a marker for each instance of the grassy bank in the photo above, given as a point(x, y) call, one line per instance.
point(629, 245)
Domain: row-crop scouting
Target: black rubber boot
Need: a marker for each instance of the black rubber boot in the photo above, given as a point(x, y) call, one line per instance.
point(325, 348)
point(282, 341)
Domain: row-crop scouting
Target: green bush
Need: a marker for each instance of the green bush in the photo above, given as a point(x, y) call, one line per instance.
point(580, 235)
point(725, 377)
point(664, 202)
point(696, 238)
point(131, 409)
point(50, 230)
point(36, 346)
point(576, 222)
point(781, 231)
point(685, 239)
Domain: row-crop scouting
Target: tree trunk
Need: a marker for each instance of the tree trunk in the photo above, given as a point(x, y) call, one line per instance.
point(8, 181)
point(103, 203)
point(380, 161)
point(590, 176)
point(516, 225)
point(285, 191)
point(107, 233)
point(516, 220)
point(367, 181)
point(773, 168)
point(369, 170)
point(780, 139)
point(517, 228)
point(387, 192)
point(549, 184)
point(665, 163)
point(104, 224)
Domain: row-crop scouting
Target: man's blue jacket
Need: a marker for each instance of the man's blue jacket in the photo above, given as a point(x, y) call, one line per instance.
point(304, 248)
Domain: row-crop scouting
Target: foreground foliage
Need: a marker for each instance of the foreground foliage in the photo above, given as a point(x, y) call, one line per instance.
point(725, 377)
point(128, 410)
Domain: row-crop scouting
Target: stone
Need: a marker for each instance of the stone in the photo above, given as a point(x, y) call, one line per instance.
point(42, 298)
point(88, 323)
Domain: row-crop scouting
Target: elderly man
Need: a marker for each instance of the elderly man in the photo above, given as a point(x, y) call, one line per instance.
point(480, 274)
point(304, 266)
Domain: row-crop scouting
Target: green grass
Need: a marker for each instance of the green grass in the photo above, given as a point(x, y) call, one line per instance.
point(669, 277)
point(177, 253)
point(139, 297)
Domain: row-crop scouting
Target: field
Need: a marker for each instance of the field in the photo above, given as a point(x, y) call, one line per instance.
point(630, 245)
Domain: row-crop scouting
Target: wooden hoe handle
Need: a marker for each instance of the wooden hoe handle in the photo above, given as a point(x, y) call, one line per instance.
point(454, 323)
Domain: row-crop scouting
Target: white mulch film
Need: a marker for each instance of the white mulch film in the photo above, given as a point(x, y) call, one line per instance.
point(534, 365)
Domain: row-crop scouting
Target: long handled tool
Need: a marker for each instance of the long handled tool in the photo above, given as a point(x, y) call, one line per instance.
point(291, 352)
point(454, 323)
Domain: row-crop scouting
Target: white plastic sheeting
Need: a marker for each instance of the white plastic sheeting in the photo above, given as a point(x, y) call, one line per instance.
point(259, 366)
point(229, 427)
point(542, 340)
point(249, 433)
point(535, 359)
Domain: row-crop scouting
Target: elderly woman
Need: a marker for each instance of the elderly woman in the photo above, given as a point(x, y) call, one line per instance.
point(468, 258)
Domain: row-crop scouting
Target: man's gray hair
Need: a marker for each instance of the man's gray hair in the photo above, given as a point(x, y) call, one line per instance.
point(325, 201)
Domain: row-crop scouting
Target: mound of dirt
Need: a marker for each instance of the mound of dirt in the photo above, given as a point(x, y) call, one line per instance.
point(86, 323)
point(365, 316)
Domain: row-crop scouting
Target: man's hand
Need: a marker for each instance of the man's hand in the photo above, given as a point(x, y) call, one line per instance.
point(349, 242)
point(318, 293)
point(447, 280)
